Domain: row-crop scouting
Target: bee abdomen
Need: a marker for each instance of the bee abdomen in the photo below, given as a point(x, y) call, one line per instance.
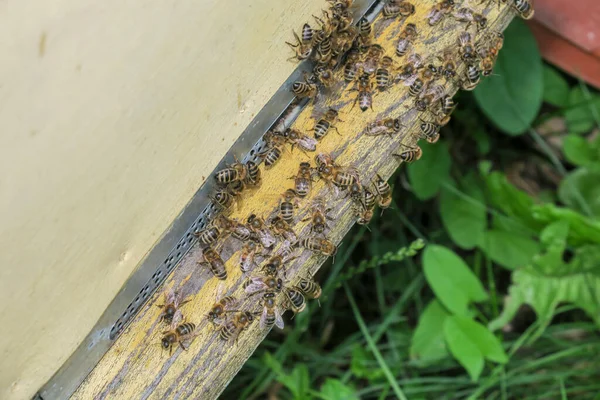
point(186, 328)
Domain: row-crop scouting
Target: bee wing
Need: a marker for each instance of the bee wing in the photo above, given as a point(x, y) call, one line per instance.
point(308, 143)
point(290, 236)
point(247, 262)
point(170, 296)
point(266, 238)
point(278, 318)
point(256, 285)
point(263, 318)
point(410, 80)
point(177, 318)
point(242, 230)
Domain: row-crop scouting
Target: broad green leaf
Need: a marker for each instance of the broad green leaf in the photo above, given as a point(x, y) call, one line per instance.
point(579, 151)
point(511, 98)
point(297, 382)
point(334, 389)
point(363, 365)
point(577, 282)
point(427, 343)
point(453, 283)
point(583, 230)
point(580, 114)
point(427, 175)
point(556, 88)
point(470, 343)
point(463, 213)
point(554, 240)
point(509, 249)
point(509, 224)
point(513, 202)
point(580, 190)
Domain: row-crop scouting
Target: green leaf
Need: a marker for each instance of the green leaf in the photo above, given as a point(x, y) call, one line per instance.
point(463, 213)
point(556, 88)
point(334, 389)
point(427, 343)
point(427, 175)
point(509, 249)
point(580, 114)
point(511, 98)
point(580, 190)
point(470, 343)
point(297, 382)
point(583, 230)
point(546, 285)
point(363, 365)
point(579, 151)
point(452, 281)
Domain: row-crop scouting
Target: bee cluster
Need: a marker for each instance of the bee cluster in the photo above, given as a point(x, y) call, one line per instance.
point(346, 54)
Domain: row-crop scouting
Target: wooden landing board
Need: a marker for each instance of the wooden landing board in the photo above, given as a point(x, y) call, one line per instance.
point(112, 115)
point(135, 367)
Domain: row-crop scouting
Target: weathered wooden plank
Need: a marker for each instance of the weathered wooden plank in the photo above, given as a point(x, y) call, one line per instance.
point(112, 115)
point(137, 368)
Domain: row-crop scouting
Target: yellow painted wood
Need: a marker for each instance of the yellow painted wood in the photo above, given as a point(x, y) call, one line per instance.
point(112, 114)
point(135, 367)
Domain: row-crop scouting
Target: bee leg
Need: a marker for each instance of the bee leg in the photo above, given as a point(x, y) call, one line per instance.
point(336, 130)
point(182, 346)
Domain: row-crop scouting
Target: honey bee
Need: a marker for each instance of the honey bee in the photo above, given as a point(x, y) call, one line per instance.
point(223, 199)
point(248, 254)
point(352, 65)
point(465, 14)
point(447, 105)
point(171, 313)
point(430, 131)
point(275, 264)
point(257, 225)
point(387, 126)
point(324, 52)
point(303, 180)
point(318, 245)
point(372, 58)
point(221, 307)
point(383, 75)
point(318, 218)
point(410, 155)
point(181, 333)
point(364, 32)
point(324, 75)
point(303, 47)
point(409, 70)
point(408, 35)
point(439, 11)
point(326, 123)
point(281, 228)
point(209, 235)
point(466, 48)
point(384, 191)
point(275, 144)
point(472, 78)
point(432, 95)
point(523, 8)
point(304, 142)
point(233, 227)
point(365, 216)
point(269, 283)
point(394, 8)
point(308, 88)
point(340, 5)
point(448, 68)
point(355, 191)
point(487, 50)
point(271, 315)
point(342, 40)
point(232, 328)
point(344, 177)
point(215, 263)
point(252, 174)
point(287, 205)
point(295, 300)
point(367, 203)
point(365, 95)
point(234, 172)
point(309, 288)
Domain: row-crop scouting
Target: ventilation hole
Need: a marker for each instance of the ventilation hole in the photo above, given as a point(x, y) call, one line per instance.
point(178, 246)
point(178, 255)
point(119, 325)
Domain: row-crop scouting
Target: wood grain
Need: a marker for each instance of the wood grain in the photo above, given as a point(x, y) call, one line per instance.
point(113, 113)
point(135, 367)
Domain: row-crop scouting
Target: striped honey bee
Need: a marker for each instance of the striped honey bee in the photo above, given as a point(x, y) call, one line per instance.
point(386, 126)
point(466, 47)
point(352, 65)
point(258, 226)
point(252, 174)
point(306, 88)
point(271, 314)
point(523, 8)
point(248, 255)
point(318, 217)
point(221, 307)
point(326, 123)
point(448, 69)
point(384, 191)
point(223, 199)
point(407, 37)
point(171, 313)
point(269, 283)
point(466, 14)
point(365, 93)
point(324, 52)
point(430, 131)
point(365, 31)
point(372, 59)
point(234, 172)
point(431, 96)
point(317, 245)
point(209, 235)
point(275, 142)
point(232, 328)
point(439, 12)
point(287, 205)
point(410, 70)
point(383, 76)
point(367, 206)
point(214, 261)
point(395, 8)
point(303, 180)
point(472, 77)
point(297, 138)
point(295, 299)
point(309, 288)
point(303, 47)
point(324, 75)
point(281, 228)
point(180, 334)
point(410, 155)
